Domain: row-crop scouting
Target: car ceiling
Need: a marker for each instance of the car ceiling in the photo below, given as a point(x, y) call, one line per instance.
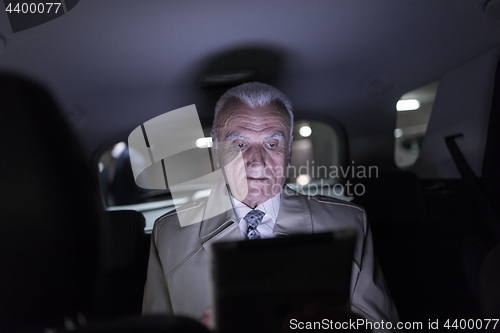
point(114, 64)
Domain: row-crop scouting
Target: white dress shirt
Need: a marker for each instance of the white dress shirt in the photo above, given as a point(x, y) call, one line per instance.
point(271, 208)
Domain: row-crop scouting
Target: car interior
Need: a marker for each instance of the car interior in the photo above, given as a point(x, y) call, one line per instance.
point(394, 105)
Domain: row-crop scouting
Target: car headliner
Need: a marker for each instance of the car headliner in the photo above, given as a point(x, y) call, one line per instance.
point(114, 64)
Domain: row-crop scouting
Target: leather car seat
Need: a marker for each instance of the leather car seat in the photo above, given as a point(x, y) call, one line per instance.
point(50, 222)
point(52, 234)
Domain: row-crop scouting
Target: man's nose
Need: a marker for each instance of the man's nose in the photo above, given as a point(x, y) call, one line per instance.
point(255, 157)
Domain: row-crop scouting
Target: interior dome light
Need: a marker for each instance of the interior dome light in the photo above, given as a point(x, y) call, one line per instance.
point(407, 104)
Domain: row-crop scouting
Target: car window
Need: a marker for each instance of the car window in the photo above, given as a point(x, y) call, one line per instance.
point(315, 159)
point(413, 112)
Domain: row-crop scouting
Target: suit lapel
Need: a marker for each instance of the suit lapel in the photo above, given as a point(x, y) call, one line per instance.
point(222, 226)
point(217, 212)
point(214, 225)
point(294, 216)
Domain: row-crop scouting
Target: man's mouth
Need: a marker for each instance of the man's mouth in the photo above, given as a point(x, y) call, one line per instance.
point(256, 179)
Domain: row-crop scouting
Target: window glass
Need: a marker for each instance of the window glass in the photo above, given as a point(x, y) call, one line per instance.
point(413, 112)
point(315, 154)
point(120, 192)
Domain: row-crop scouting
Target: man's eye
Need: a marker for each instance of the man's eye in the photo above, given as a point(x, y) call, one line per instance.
point(241, 145)
point(272, 145)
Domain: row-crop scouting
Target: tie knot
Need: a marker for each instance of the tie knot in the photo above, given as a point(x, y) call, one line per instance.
point(254, 217)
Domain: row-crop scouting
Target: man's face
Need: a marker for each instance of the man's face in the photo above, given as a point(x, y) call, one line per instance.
point(262, 135)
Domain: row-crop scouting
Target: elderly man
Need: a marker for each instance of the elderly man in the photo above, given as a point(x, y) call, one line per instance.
point(257, 119)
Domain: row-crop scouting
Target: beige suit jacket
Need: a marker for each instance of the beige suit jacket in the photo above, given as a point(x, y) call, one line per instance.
point(178, 277)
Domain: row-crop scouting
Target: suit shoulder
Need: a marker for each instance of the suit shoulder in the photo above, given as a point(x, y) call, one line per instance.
point(172, 217)
point(327, 211)
point(322, 199)
point(325, 202)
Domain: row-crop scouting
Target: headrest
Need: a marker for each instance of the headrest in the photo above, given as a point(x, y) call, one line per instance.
point(393, 199)
point(50, 217)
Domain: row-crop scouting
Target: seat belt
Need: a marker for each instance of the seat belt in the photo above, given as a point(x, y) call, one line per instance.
point(472, 187)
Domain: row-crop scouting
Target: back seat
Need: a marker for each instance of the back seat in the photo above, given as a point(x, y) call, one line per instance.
point(428, 242)
point(127, 251)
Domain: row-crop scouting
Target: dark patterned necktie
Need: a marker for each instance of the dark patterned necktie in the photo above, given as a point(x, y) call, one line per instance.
point(253, 218)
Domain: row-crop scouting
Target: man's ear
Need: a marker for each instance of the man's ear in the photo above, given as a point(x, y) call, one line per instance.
point(215, 157)
point(216, 161)
point(290, 150)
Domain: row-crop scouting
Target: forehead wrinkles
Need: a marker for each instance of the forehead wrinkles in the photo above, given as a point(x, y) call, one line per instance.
point(254, 123)
point(256, 119)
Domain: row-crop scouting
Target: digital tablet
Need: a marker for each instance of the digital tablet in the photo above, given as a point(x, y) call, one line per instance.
point(259, 284)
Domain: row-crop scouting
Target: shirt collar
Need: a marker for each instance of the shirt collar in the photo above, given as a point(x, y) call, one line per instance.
point(271, 207)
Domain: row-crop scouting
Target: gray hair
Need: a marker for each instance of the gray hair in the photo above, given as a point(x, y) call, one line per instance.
point(254, 94)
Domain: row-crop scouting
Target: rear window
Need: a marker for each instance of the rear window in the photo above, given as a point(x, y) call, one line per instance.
point(316, 154)
point(413, 112)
